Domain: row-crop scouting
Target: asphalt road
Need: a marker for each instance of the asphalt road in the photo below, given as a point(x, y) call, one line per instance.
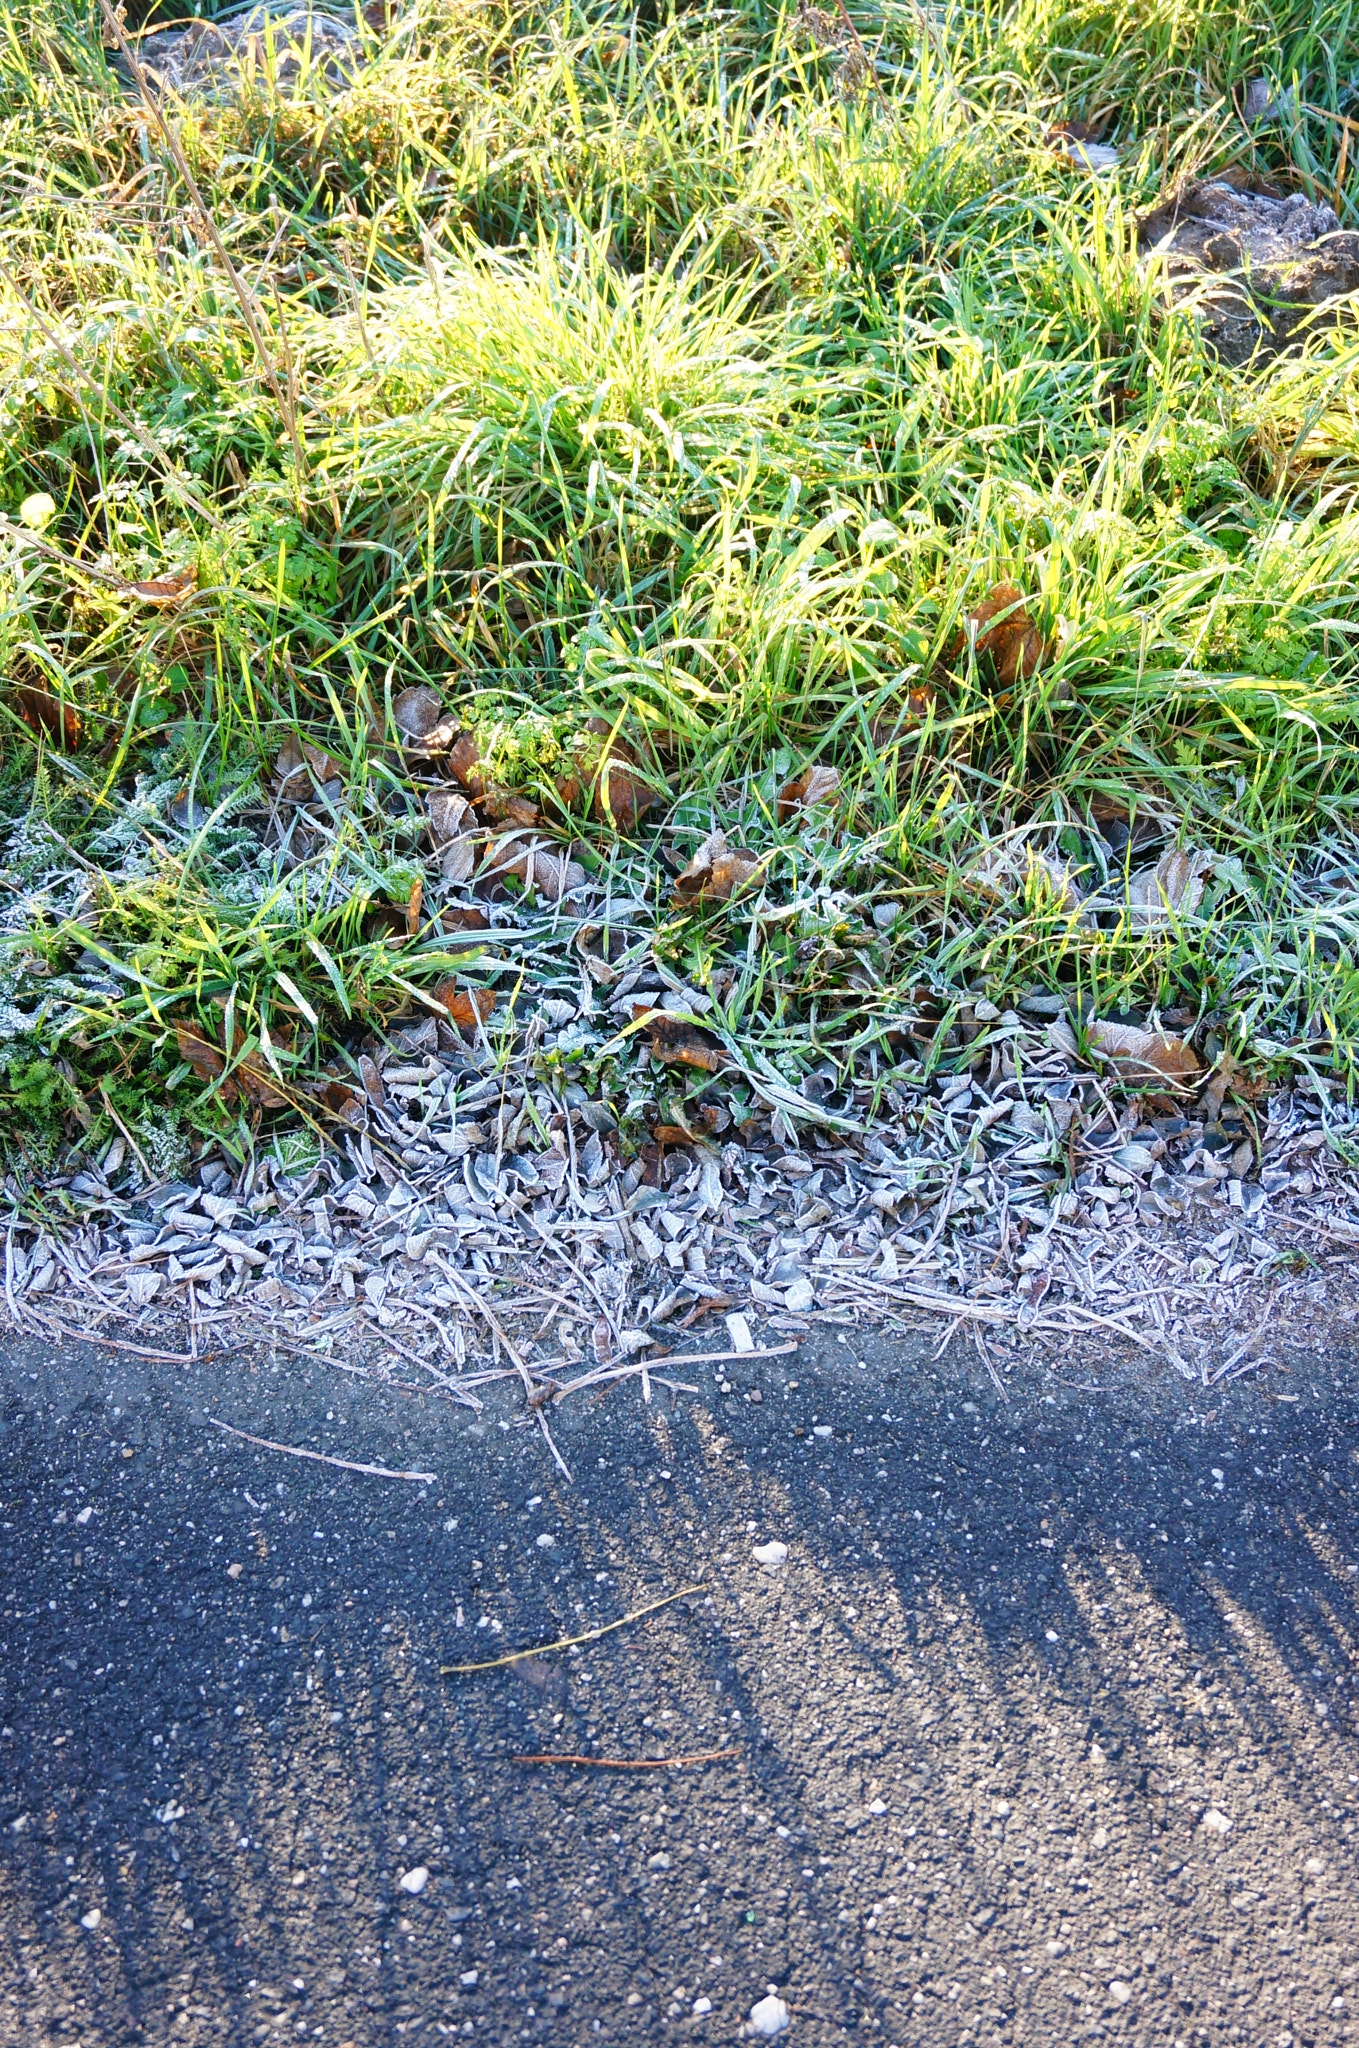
point(1042, 1733)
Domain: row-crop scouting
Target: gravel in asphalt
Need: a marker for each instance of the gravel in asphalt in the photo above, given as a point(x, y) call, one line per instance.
point(1042, 1732)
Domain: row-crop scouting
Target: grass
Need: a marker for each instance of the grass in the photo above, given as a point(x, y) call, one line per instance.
point(663, 368)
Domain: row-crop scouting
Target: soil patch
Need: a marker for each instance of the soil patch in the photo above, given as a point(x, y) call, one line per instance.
point(1255, 264)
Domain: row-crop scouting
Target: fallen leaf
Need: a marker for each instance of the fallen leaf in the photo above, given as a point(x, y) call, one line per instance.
point(1067, 892)
point(816, 785)
point(622, 797)
point(462, 917)
point(907, 713)
point(450, 816)
point(1118, 823)
point(1173, 888)
point(601, 1342)
point(43, 712)
point(453, 827)
point(1230, 1078)
point(678, 1043)
point(413, 902)
point(417, 712)
point(418, 717)
point(716, 872)
point(345, 1103)
point(539, 867)
point(257, 1083)
point(467, 1008)
point(371, 1078)
point(301, 771)
point(1007, 636)
point(205, 1059)
point(464, 763)
point(1078, 142)
point(1152, 1052)
point(506, 807)
point(167, 590)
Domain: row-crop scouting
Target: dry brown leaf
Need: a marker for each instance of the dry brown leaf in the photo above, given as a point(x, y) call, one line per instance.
point(418, 715)
point(204, 1057)
point(1007, 635)
point(506, 807)
point(1231, 1078)
point(345, 1103)
point(1173, 888)
point(621, 796)
point(909, 712)
point(464, 763)
point(671, 1134)
point(816, 785)
point(167, 590)
point(716, 872)
point(1148, 1052)
point(461, 917)
point(452, 827)
point(301, 770)
point(417, 712)
point(450, 816)
point(601, 1342)
point(467, 1008)
point(678, 1043)
point(257, 1083)
point(413, 903)
point(542, 869)
point(371, 1078)
point(43, 712)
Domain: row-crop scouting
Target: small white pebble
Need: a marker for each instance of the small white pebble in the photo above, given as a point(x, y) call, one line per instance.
point(92, 1918)
point(84, 1516)
point(1215, 1822)
point(770, 1555)
point(770, 2016)
point(468, 1978)
point(1120, 1992)
point(877, 1806)
point(415, 1880)
point(702, 2005)
point(822, 1429)
point(546, 1542)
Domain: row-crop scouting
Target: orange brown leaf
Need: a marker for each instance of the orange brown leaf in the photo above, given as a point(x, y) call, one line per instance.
point(816, 785)
point(467, 1008)
point(1007, 635)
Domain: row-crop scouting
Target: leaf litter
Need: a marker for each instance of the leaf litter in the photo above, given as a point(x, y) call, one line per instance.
point(1067, 1175)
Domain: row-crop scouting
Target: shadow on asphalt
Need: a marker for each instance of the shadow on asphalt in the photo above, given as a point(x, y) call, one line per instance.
point(1042, 1732)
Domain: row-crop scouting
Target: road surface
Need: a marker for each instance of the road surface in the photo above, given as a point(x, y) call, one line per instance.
point(1042, 1732)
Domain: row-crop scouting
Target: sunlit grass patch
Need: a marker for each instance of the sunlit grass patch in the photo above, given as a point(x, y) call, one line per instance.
point(670, 398)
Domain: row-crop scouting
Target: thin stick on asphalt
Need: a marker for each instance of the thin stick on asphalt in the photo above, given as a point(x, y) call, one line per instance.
point(321, 1457)
point(394, 1343)
point(645, 1763)
point(116, 1343)
point(591, 1635)
point(719, 1357)
point(460, 1286)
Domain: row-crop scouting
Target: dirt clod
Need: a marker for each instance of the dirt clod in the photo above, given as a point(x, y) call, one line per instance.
point(1254, 263)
